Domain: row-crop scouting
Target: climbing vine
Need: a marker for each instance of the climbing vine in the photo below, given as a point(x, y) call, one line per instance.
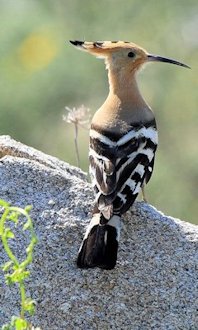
point(16, 271)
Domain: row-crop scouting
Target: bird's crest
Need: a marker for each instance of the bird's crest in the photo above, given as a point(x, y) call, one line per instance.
point(138, 55)
point(102, 48)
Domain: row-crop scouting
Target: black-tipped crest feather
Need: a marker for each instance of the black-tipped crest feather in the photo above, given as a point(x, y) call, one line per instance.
point(76, 42)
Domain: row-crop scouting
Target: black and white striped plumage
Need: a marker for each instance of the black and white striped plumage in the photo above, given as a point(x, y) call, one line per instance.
point(123, 142)
point(120, 164)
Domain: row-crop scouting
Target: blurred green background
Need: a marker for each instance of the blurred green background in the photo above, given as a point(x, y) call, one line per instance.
point(41, 73)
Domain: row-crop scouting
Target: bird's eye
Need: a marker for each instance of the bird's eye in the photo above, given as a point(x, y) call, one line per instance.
point(131, 54)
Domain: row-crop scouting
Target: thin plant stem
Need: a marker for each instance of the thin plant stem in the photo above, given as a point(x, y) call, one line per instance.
point(23, 298)
point(4, 238)
point(76, 144)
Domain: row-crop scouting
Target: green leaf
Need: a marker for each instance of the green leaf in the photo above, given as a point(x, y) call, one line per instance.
point(29, 306)
point(19, 275)
point(8, 279)
point(13, 216)
point(28, 208)
point(9, 233)
point(4, 203)
point(7, 265)
point(21, 324)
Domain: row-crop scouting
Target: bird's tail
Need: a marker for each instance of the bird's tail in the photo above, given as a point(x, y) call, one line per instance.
point(100, 244)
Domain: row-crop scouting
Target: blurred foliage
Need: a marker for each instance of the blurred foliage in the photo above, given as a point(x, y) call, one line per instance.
point(41, 73)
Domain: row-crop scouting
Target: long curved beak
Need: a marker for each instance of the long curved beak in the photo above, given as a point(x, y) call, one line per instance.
point(156, 58)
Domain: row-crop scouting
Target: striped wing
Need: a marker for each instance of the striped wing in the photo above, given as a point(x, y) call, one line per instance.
point(120, 166)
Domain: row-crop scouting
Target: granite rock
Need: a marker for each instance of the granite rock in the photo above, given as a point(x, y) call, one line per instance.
point(154, 285)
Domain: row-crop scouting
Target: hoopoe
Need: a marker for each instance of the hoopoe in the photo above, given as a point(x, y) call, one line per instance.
point(123, 142)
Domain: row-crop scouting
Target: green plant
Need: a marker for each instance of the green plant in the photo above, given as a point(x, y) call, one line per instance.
point(16, 271)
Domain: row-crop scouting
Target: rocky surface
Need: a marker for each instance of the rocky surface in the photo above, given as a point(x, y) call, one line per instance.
point(154, 285)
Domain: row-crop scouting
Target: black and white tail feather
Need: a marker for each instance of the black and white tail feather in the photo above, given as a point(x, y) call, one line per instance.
point(100, 243)
point(120, 165)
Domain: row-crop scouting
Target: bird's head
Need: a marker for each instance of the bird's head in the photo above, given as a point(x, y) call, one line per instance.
point(122, 55)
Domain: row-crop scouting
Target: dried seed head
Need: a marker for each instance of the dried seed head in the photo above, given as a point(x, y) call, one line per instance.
point(78, 116)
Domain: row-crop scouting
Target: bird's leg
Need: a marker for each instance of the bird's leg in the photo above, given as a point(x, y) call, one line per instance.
point(144, 194)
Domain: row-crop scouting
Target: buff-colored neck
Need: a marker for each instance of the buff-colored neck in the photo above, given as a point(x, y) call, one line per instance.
point(124, 103)
point(123, 85)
